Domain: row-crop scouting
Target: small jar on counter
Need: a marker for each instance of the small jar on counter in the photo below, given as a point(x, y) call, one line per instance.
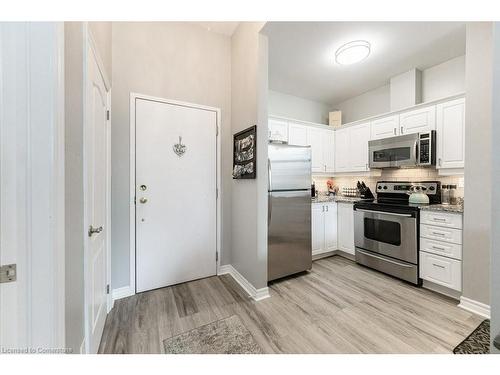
point(445, 194)
point(453, 193)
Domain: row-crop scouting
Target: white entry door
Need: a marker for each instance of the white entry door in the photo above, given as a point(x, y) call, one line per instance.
point(96, 203)
point(176, 182)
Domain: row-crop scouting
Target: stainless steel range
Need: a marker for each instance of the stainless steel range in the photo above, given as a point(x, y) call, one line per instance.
point(386, 231)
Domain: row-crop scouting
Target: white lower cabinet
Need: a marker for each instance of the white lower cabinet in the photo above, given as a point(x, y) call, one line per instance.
point(441, 270)
point(345, 227)
point(441, 248)
point(324, 227)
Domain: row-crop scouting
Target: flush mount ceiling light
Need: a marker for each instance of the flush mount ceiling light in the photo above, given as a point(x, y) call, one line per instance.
point(352, 52)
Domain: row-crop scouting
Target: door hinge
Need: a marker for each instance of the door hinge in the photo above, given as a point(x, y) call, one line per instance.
point(8, 273)
point(216, 256)
point(135, 201)
point(107, 115)
point(216, 193)
point(217, 130)
point(107, 289)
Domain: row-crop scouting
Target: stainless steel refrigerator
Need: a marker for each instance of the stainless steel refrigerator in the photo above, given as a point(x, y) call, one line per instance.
point(289, 210)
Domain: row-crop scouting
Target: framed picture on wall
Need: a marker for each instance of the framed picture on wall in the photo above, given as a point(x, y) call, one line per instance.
point(245, 154)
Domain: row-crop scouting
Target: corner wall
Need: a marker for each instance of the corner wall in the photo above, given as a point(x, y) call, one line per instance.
point(172, 60)
point(478, 124)
point(284, 105)
point(495, 182)
point(249, 107)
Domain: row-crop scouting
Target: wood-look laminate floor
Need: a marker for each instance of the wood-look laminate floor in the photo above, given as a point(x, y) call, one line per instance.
point(338, 307)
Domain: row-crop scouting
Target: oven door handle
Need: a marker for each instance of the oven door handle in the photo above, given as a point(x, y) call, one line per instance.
point(384, 213)
point(384, 259)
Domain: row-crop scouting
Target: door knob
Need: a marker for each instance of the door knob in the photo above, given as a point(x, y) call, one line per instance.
point(93, 230)
point(143, 187)
point(143, 200)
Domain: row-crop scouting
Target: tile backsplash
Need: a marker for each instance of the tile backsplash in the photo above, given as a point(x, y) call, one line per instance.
point(413, 174)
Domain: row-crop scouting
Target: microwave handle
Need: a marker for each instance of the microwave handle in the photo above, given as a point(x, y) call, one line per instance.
point(417, 155)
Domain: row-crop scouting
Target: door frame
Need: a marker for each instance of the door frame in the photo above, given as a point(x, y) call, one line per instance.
point(89, 43)
point(132, 206)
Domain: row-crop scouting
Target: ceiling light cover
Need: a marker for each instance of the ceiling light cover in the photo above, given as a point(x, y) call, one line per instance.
point(352, 52)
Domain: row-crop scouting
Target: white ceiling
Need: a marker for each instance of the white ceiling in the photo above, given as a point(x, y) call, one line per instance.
point(301, 55)
point(225, 28)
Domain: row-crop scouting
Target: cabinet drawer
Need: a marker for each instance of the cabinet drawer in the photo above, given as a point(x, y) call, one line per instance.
point(446, 249)
point(441, 234)
point(440, 270)
point(442, 219)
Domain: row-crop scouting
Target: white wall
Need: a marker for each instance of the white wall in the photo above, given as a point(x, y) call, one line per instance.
point(371, 103)
point(249, 107)
point(444, 80)
point(478, 124)
point(174, 60)
point(439, 81)
point(290, 106)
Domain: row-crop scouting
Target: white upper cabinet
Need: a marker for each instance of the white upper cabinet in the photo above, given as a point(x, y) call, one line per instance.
point(278, 130)
point(417, 121)
point(385, 127)
point(358, 147)
point(342, 153)
point(329, 150)
point(297, 134)
point(351, 148)
point(315, 140)
point(450, 134)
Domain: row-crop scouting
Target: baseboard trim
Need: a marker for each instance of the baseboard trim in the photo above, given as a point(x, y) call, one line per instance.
point(442, 290)
point(476, 307)
point(256, 294)
point(316, 255)
point(119, 293)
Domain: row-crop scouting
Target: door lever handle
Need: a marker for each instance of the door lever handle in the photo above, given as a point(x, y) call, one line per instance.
point(93, 230)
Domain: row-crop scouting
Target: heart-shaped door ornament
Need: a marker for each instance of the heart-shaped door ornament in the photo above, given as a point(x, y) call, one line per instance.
point(179, 148)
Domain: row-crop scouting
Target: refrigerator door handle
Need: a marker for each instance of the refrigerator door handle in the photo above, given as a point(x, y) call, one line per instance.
point(269, 204)
point(269, 175)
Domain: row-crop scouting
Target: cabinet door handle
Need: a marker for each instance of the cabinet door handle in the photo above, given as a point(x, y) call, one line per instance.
point(394, 131)
point(437, 265)
point(438, 234)
point(402, 130)
point(326, 208)
point(438, 248)
point(323, 207)
point(439, 162)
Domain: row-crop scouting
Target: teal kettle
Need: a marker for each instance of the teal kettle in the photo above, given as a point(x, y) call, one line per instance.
point(417, 195)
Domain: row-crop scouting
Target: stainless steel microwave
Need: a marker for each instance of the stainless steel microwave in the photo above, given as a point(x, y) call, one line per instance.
point(410, 150)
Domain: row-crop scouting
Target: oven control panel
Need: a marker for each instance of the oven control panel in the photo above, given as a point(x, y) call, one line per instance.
point(398, 187)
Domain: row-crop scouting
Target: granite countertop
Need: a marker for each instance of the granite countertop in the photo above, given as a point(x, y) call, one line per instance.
point(458, 208)
point(335, 198)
